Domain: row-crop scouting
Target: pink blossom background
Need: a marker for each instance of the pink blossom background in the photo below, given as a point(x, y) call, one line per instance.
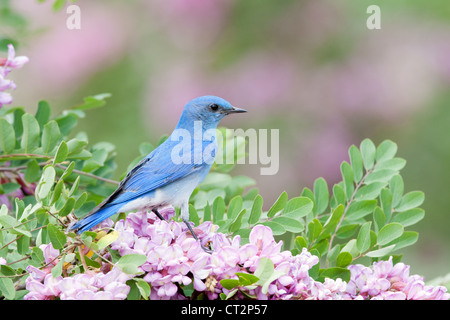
point(309, 68)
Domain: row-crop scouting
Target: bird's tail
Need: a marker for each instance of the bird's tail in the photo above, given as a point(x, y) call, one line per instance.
point(95, 218)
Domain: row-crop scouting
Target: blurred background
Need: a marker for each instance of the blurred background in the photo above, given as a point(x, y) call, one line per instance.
point(310, 68)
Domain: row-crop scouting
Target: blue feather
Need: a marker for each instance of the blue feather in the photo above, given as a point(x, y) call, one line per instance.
point(157, 173)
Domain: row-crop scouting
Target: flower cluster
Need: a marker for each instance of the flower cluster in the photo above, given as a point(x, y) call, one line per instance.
point(87, 286)
point(176, 260)
point(386, 281)
point(6, 65)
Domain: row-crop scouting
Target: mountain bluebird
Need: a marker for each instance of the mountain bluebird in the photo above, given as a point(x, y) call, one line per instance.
point(169, 174)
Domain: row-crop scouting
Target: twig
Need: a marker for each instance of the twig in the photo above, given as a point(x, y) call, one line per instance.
point(346, 208)
point(15, 169)
point(26, 155)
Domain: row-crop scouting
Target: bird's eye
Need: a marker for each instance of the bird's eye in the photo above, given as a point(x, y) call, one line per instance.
point(214, 107)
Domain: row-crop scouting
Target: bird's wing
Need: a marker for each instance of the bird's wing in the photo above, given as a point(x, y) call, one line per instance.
point(151, 173)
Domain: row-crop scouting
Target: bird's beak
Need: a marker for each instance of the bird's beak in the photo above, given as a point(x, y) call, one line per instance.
point(236, 110)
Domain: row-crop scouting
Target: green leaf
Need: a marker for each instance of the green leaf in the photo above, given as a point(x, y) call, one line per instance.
point(343, 259)
point(234, 207)
point(266, 273)
point(363, 239)
point(389, 232)
point(218, 209)
point(207, 212)
point(6, 270)
point(338, 195)
point(57, 191)
point(7, 288)
point(17, 124)
point(393, 164)
point(406, 239)
point(7, 137)
point(379, 218)
point(33, 171)
point(335, 273)
point(246, 279)
point(409, 217)
point(256, 211)
point(75, 146)
point(50, 136)
point(351, 248)
point(92, 102)
point(66, 123)
point(386, 199)
point(75, 185)
point(289, 224)
point(23, 245)
point(347, 177)
point(46, 182)
point(193, 215)
point(360, 209)
point(356, 161)
point(237, 222)
point(382, 175)
point(68, 207)
point(300, 243)
point(386, 150)
point(370, 191)
point(57, 237)
point(321, 195)
point(57, 270)
point(43, 113)
point(410, 200)
point(61, 153)
point(10, 187)
point(333, 220)
point(278, 205)
point(31, 133)
point(6, 220)
point(277, 228)
point(397, 187)
point(314, 230)
point(298, 207)
point(129, 263)
point(229, 284)
point(368, 152)
point(68, 171)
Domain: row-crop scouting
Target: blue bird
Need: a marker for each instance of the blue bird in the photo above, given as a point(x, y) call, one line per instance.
point(169, 174)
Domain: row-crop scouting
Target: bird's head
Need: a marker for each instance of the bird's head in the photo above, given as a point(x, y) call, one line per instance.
point(208, 109)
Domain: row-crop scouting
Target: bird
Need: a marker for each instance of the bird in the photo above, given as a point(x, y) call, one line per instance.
point(170, 173)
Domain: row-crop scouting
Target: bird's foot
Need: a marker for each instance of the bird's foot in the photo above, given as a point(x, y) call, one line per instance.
point(207, 250)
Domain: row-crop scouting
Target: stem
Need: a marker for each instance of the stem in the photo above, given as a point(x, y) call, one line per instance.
point(26, 155)
point(19, 224)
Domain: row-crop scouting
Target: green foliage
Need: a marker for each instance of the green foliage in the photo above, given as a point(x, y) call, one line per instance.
point(62, 176)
